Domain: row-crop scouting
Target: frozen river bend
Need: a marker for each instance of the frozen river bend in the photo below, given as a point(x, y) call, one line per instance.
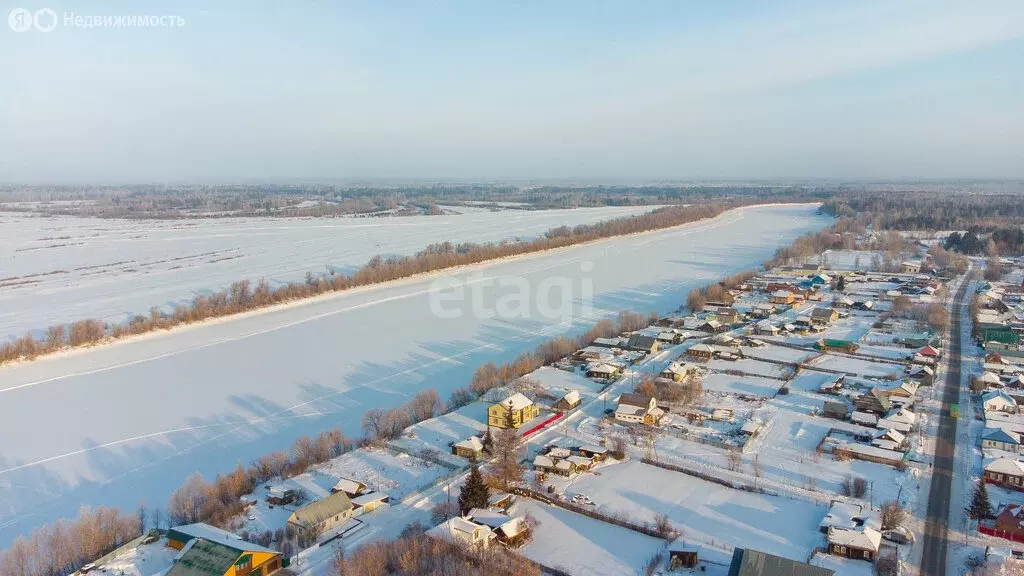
point(128, 422)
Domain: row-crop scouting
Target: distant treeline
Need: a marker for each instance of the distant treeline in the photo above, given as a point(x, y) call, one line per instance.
point(1004, 241)
point(929, 210)
point(196, 201)
point(241, 296)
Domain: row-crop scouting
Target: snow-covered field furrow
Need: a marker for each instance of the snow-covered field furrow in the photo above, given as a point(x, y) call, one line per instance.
point(61, 269)
point(129, 421)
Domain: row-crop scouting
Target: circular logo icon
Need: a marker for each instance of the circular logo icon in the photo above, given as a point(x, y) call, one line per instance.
point(45, 20)
point(20, 19)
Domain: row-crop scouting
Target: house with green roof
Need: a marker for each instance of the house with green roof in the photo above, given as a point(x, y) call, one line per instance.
point(202, 557)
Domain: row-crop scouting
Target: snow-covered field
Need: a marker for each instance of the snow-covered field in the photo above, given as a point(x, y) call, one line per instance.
point(707, 513)
point(129, 421)
point(60, 269)
point(584, 546)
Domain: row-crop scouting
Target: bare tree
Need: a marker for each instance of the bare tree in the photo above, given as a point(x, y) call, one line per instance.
point(893, 514)
point(735, 460)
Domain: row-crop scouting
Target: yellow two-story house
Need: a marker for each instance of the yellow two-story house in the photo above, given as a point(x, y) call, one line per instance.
point(512, 412)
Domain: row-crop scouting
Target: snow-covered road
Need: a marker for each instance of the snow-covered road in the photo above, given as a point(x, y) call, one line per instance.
point(127, 422)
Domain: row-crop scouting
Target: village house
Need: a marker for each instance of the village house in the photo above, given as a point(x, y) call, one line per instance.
point(830, 344)
point(762, 310)
point(888, 439)
point(669, 338)
point(747, 562)
point(923, 375)
point(205, 549)
point(506, 529)
point(281, 495)
point(874, 401)
point(850, 516)
point(570, 400)
point(930, 351)
point(603, 371)
point(678, 372)
point(833, 384)
point(471, 448)
point(368, 502)
point(350, 487)
point(701, 352)
point(1006, 472)
point(899, 419)
point(595, 453)
point(864, 418)
point(1009, 522)
point(638, 409)
point(711, 326)
point(824, 315)
point(462, 531)
point(860, 543)
point(727, 316)
point(512, 412)
point(502, 500)
point(324, 514)
point(835, 409)
point(642, 343)
point(998, 401)
point(782, 298)
point(1000, 439)
point(766, 328)
point(607, 342)
point(910, 267)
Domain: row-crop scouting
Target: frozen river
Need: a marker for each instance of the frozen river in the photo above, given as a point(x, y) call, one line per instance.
point(60, 269)
point(128, 422)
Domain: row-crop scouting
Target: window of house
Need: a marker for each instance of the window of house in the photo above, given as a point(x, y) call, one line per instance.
point(867, 554)
point(841, 549)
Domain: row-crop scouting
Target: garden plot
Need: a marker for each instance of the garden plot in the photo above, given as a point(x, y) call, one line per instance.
point(583, 546)
point(779, 353)
point(741, 385)
point(437, 434)
point(748, 366)
point(857, 366)
point(891, 352)
point(394, 474)
point(707, 513)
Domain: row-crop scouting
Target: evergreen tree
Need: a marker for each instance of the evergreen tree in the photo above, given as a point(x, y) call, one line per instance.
point(841, 284)
point(488, 441)
point(980, 508)
point(474, 493)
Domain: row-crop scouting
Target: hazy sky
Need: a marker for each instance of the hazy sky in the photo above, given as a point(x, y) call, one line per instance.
point(516, 89)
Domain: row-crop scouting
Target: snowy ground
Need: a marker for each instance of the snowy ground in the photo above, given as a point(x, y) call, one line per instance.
point(142, 415)
point(72, 268)
point(583, 546)
point(146, 560)
point(707, 513)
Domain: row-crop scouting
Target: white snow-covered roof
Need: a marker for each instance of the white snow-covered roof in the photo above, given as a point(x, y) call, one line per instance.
point(543, 462)
point(1006, 466)
point(488, 517)
point(214, 534)
point(351, 486)
point(602, 368)
point(782, 294)
point(864, 418)
point(997, 397)
point(368, 498)
point(894, 435)
point(989, 378)
point(864, 538)
point(472, 443)
point(572, 396)
point(901, 415)
point(559, 453)
point(518, 401)
point(702, 348)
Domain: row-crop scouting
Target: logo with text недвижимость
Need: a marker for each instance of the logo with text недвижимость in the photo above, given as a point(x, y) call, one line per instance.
point(45, 20)
point(23, 20)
